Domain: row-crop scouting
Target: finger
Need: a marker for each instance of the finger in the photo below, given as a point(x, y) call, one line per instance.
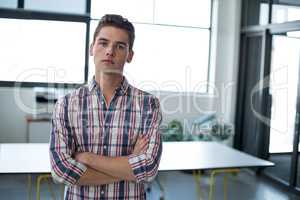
point(140, 138)
point(146, 136)
point(138, 141)
point(145, 144)
point(143, 141)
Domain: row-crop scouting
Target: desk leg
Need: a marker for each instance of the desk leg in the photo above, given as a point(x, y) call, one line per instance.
point(27, 131)
point(211, 185)
point(50, 187)
point(29, 186)
point(38, 186)
point(197, 178)
point(225, 183)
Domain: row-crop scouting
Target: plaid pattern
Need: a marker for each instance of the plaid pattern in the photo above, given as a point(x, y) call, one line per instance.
point(82, 123)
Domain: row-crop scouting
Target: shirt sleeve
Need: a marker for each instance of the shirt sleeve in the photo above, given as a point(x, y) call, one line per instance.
point(64, 168)
point(145, 165)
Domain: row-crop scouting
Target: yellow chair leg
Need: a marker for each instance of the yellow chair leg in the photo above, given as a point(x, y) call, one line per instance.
point(50, 187)
point(29, 186)
point(197, 178)
point(225, 186)
point(38, 186)
point(212, 180)
point(211, 185)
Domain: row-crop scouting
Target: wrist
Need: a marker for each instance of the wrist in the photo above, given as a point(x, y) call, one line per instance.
point(89, 159)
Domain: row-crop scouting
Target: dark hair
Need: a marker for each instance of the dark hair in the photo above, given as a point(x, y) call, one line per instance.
point(119, 22)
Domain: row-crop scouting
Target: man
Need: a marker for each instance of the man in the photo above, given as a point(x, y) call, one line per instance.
point(105, 142)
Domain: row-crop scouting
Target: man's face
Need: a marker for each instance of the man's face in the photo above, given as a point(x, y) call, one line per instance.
point(111, 50)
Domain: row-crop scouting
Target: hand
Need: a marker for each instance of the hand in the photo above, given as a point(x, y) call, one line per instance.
point(141, 145)
point(83, 157)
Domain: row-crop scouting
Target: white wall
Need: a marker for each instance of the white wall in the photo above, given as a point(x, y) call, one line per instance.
point(224, 60)
point(226, 57)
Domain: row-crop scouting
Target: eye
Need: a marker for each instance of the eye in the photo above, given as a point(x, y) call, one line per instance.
point(121, 46)
point(102, 43)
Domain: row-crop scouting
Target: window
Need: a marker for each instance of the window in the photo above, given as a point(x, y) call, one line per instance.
point(42, 51)
point(134, 10)
point(43, 43)
point(8, 3)
point(171, 49)
point(264, 13)
point(184, 13)
point(285, 13)
point(62, 6)
point(283, 87)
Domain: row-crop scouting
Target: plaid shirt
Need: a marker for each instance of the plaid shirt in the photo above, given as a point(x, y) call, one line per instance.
point(82, 123)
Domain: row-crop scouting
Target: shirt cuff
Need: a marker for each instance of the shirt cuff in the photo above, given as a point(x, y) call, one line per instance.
point(70, 175)
point(138, 164)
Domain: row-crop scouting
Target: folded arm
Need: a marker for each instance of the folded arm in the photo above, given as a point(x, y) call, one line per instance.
point(114, 166)
point(142, 164)
point(64, 168)
point(94, 177)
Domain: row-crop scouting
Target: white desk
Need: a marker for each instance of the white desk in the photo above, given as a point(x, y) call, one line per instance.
point(205, 155)
point(26, 158)
point(34, 158)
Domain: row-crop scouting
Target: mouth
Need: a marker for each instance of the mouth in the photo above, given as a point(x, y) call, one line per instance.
point(107, 61)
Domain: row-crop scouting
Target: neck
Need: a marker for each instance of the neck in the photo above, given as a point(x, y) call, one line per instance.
point(108, 83)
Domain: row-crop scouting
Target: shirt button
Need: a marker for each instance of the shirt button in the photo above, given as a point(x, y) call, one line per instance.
point(102, 192)
point(104, 146)
point(103, 102)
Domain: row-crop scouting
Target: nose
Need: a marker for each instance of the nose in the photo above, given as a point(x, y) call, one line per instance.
point(110, 50)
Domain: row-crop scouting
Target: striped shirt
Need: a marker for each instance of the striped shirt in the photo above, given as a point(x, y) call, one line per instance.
point(83, 123)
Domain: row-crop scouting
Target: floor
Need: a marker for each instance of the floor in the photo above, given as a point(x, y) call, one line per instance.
point(177, 186)
point(282, 167)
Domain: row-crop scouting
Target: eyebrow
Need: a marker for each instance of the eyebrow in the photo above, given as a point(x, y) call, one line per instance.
point(103, 39)
point(118, 42)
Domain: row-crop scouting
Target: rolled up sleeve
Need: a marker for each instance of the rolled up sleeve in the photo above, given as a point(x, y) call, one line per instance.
point(145, 165)
point(64, 168)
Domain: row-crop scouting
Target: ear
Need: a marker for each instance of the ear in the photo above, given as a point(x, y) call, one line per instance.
point(91, 49)
point(130, 56)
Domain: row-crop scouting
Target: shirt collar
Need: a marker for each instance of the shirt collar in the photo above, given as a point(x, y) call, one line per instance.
point(122, 89)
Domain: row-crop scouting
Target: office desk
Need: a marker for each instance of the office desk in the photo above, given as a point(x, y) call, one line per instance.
point(27, 158)
point(207, 156)
point(34, 158)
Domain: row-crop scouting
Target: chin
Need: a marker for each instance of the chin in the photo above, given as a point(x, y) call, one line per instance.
point(115, 73)
point(109, 71)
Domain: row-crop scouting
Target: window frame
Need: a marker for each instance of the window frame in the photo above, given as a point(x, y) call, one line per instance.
point(209, 76)
point(21, 13)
